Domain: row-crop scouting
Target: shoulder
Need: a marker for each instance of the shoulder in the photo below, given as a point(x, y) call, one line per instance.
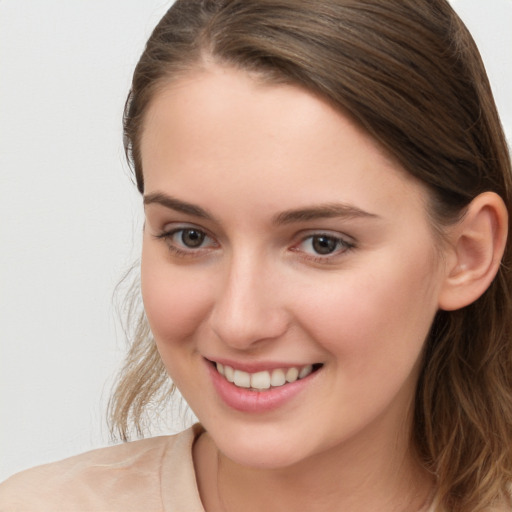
point(125, 477)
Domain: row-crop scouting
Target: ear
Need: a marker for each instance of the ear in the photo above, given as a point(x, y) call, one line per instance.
point(477, 244)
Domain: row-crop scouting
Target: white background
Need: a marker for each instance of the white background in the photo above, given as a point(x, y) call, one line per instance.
point(70, 217)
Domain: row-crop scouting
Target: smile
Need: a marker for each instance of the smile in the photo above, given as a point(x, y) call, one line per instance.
point(265, 380)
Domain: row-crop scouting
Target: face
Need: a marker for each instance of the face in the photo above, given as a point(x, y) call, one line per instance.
point(282, 250)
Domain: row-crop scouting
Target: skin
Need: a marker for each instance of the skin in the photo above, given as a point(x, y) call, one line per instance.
point(256, 291)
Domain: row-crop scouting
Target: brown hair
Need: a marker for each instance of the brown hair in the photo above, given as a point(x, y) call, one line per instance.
point(409, 73)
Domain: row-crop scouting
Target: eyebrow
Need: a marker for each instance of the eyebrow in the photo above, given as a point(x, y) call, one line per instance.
point(323, 211)
point(177, 205)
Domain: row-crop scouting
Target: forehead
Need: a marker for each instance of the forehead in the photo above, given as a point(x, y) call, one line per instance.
point(222, 128)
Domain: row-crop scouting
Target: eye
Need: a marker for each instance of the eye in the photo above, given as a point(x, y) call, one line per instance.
point(191, 238)
point(187, 240)
point(323, 245)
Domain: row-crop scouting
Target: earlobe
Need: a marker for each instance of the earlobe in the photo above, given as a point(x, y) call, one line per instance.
point(477, 246)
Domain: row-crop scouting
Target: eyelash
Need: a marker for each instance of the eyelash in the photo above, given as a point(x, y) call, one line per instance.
point(341, 244)
point(184, 252)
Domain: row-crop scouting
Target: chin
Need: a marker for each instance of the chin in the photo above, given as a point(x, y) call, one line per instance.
point(259, 446)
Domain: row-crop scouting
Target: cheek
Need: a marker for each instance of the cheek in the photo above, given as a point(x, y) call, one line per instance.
point(175, 299)
point(377, 316)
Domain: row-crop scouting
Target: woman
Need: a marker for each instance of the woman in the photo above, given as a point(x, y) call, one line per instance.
point(325, 268)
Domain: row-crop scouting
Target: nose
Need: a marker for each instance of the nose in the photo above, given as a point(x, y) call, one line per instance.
point(249, 308)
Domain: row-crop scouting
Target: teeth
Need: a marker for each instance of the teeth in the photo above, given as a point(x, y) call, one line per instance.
point(242, 379)
point(304, 372)
point(292, 374)
point(278, 378)
point(229, 373)
point(263, 380)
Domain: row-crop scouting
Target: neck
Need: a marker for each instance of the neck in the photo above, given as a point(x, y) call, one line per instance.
point(366, 474)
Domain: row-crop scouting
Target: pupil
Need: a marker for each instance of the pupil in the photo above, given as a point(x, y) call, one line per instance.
point(192, 238)
point(324, 244)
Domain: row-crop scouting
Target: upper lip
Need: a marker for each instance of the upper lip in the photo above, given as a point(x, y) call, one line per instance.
point(257, 366)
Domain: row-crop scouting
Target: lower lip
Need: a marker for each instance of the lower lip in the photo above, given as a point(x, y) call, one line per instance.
point(245, 400)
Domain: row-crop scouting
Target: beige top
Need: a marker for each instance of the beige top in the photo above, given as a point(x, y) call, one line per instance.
point(151, 475)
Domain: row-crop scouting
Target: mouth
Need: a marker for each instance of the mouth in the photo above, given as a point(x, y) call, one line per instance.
point(262, 381)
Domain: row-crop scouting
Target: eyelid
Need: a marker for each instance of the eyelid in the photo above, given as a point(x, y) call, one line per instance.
point(347, 243)
point(170, 230)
